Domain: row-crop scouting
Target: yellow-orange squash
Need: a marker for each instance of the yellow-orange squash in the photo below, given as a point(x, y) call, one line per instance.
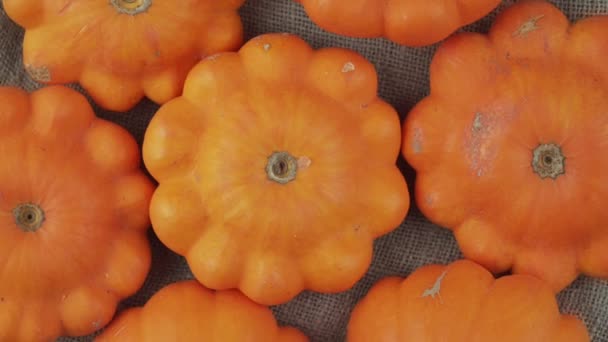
point(276, 169)
point(123, 50)
point(462, 302)
point(73, 216)
point(511, 145)
point(188, 312)
point(406, 22)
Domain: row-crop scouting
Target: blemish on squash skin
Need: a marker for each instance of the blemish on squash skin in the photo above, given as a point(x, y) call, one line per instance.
point(267, 47)
point(417, 141)
point(38, 73)
point(65, 7)
point(528, 26)
point(119, 331)
point(348, 67)
point(153, 40)
point(434, 291)
point(82, 30)
point(477, 148)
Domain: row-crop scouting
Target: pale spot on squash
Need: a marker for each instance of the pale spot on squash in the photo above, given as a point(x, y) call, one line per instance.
point(528, 26)
point(348, 67)
point(429, 200)
point(434, 291)
point(480, 148)
point(38, 73)
point(267, 46)
point(477, 124)
point(213, 57)
point(304, 163)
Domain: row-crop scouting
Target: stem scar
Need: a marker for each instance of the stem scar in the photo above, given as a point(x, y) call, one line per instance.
point(433, 291)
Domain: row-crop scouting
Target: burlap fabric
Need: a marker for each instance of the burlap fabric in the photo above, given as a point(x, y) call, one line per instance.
point(403, 80)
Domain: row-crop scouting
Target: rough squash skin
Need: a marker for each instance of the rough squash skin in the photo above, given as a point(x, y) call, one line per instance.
point(123, 50)
point(511, 145)
point(461, 302)
point(73, 216)
point(277, 169)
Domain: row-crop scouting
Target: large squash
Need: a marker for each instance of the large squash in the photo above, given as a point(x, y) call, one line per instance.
point(277, 169)
point(121, 50)
point(188, 312)
point(406, 22)
point(511, 145)
point(462, 302)
point(73, 216)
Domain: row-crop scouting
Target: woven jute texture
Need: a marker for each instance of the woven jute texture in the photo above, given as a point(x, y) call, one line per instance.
point(403, 81)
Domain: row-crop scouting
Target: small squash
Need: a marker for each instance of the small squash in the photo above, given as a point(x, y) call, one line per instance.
point(406, 22)
point(277, 169)
point(123, 50)
point(73, 216)
point(188, 312)
point(511, 145)
point(462, 302)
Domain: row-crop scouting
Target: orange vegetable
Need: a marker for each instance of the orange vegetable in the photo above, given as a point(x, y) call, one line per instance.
point(277, 169)
point(462, 302)
point(73, 216)
point(406, 22)
point(121, 50)
point(188, 312)
point(511, 145)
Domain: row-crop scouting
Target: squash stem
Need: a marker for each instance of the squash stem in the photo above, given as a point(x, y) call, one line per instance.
point(131, 7)
point(282, 167)
point(548, 161)
point(28, 217)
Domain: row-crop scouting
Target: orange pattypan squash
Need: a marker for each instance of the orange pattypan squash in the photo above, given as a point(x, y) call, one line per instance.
point(406, 22)
point(123, 50)
point(511, 145)
point(277, 169)
point(188, 312)
point(73, 216)
point(462, 302)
